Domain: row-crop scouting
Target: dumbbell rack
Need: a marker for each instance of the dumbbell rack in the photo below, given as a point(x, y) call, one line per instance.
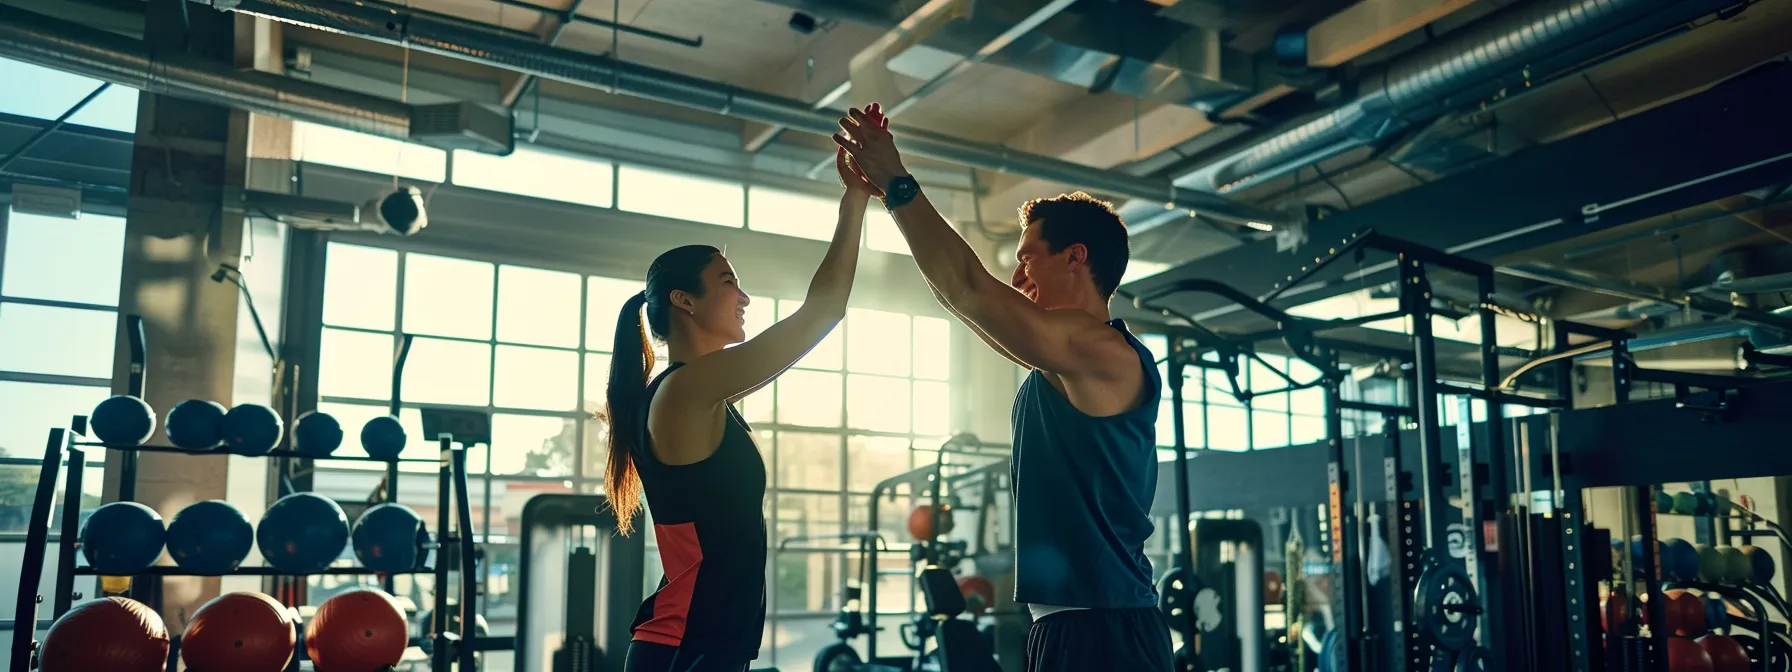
point(63, 446)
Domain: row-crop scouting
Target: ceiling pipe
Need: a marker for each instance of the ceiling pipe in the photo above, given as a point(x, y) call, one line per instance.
point(1518, 47)
point(479, 43)
point(72, 47)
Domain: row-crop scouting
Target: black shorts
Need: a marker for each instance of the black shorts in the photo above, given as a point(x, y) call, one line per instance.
point(651, 657)
point(1135, 640)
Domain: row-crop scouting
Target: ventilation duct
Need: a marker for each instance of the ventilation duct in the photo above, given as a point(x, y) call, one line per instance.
point(480, 43)
point(1128, 48)
point(1524, 44)
point(72, 47)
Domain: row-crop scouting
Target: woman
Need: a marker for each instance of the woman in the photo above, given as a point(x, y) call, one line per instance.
point(678, 440)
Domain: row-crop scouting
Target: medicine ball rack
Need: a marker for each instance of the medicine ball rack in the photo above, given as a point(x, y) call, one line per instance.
point(62, 446)
point(1443, 600)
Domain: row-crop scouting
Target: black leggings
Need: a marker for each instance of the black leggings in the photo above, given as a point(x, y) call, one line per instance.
point(651, 657)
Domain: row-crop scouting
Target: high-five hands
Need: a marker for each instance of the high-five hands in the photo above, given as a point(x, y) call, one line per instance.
point(865, 138)
point(853, 178)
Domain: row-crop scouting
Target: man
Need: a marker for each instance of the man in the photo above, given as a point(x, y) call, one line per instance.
point(1085, 459)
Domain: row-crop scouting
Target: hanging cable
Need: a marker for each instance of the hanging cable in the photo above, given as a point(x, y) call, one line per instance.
point(228, 272)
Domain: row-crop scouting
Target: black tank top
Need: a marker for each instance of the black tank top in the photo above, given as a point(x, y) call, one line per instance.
point(709, 522)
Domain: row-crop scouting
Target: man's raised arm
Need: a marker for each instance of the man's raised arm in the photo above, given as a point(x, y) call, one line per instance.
point(1039, 338)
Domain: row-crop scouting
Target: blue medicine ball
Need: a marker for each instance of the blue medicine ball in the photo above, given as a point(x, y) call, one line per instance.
point(383, 437)
point(195, 424)
point(316, 434)
point(302, 533)
point(210, 538)
point(122, 538)
point(1679, 560)
point(390, 538)
point(123, 420)
point(252, 429)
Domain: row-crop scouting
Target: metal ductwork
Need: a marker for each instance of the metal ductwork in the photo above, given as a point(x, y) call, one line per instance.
point(1519, 46)
point(480, 43)
point(1126, 48)
point(71, 47)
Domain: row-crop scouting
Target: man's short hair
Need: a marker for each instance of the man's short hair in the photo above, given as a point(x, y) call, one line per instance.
point(1068, 219)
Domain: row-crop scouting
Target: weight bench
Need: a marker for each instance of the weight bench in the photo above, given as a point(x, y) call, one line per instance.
point(961, 647)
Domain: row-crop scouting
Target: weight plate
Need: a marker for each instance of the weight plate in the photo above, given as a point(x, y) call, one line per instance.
point(1445, 607)
point(1176, 599)
point(1472, 659)
point(837, 657)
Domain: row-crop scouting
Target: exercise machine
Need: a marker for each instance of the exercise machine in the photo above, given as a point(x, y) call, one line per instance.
point(1439, 597)
point(582, 585)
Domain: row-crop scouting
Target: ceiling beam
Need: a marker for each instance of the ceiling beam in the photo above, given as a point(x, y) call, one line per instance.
point(819, 75)
point(1362, 27)
point(549, 27)
point(852, 66)
point(1103, 131)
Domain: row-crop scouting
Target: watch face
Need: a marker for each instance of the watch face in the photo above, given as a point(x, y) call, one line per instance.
point(902, 190)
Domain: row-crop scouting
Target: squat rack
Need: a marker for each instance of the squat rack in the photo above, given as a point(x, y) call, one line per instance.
point(1421, 499)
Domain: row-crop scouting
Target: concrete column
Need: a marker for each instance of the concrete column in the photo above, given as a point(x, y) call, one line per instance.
point(176, 235)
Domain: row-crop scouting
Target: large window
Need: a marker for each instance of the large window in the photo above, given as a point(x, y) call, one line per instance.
point(58, 323)
point(678, 196)
point(500, 339)
point(59, 283)
point(792, 214)
point(338, 147)
point(35, 91)
point(581, 180)
point(871, 401)
point(541, 174)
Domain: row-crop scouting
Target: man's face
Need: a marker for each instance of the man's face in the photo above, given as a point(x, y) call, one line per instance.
point(1048, 279)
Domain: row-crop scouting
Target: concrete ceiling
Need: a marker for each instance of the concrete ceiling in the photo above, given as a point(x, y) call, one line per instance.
point(1218, 87)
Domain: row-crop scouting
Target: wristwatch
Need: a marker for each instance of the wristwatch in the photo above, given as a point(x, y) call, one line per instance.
point(902, 189)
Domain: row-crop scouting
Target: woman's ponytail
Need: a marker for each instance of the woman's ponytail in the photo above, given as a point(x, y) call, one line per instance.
point(627, 392)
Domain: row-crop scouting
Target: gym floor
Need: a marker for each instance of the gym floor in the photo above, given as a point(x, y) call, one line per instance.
point(1624, 169)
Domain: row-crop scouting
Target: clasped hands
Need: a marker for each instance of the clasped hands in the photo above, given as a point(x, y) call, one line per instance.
point(866, 157)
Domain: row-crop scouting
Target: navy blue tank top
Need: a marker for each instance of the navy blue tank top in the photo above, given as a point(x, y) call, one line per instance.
point(709, 522)
point(1082, 496)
